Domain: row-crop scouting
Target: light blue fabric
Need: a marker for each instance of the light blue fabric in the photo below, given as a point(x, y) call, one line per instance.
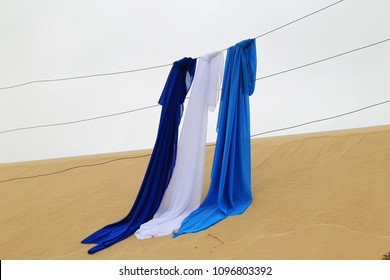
point(230, 189)
point(161, 163)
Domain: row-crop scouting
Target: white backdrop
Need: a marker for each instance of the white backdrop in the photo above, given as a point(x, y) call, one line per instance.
point(46, 39)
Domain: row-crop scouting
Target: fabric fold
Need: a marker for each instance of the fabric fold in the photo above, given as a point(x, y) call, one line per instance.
point(230, 187)
point(162, 161)
point(184, 191)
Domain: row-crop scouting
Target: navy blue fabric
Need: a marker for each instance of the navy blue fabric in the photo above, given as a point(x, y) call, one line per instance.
point(161, 163)
point(230, 187)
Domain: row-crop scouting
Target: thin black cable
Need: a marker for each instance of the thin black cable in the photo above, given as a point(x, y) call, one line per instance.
point(294, 21)
point(321, 120)
point(86, 76)
point(158, 66)
point(77, 121)
point(324, 59)
point(152, 106)
point(72, 168)
point(208, 145)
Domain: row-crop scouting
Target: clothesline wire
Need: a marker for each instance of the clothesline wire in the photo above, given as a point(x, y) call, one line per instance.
point(209, 145)
point(294, 21)
point(323, 119)
point(78, 121)
point(85, 76)
point(156, 105)
point(157, 66)
point(82, 120)
point(325, 59)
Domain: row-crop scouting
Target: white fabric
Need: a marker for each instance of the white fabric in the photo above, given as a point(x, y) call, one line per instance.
point(184, 191)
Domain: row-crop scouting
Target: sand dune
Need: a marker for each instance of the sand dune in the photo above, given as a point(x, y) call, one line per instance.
point(316, 196)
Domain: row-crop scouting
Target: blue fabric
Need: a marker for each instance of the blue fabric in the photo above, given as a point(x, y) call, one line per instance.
point(230, 187)
point(161, 163)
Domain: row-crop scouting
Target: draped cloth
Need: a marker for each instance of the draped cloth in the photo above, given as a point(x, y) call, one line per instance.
point(230, 186)
point(162, 161)
point(184, 191)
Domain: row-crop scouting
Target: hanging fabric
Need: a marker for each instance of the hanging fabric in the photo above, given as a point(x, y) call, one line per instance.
point(230, 187)
point(184, 191)
point(161, 163)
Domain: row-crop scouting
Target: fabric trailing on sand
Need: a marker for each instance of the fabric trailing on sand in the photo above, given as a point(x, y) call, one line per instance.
point(162, 161)
point(184, 191)
point(230, 187)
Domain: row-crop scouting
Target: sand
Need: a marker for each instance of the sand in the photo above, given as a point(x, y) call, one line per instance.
point(315, 196)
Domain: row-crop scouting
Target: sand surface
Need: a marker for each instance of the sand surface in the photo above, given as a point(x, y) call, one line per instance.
point(315, 196)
